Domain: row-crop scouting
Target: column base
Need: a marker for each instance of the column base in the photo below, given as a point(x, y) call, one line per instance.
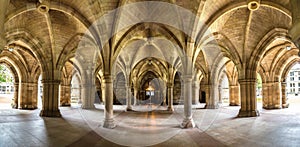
point(252, 113)
point(211, 106)
point(65, 105)
point(14, 106)
point(195, 103)
point(171, 109)
point(272, 107)
point(129, 108)
point(109, 123)
point(88, 107)
point(187, 123)
point(285, 105)
point(27, 107)
point(234, 104)
point(49, 113)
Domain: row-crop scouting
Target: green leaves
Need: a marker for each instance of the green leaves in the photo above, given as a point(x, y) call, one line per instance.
point(5, 74)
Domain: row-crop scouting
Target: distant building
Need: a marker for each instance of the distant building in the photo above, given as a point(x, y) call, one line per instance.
point(293, 82)
point(6, 88)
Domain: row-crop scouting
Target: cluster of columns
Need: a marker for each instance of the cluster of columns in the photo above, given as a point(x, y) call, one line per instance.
point(129, 97)
point(273, 93)
point(29, 93)
point(285, 103)
point(272, 97)
point(234, 95)
point(65, 95)
point(25, 95)
point(248, 98)
point(170, 87)
point(188, 121)
point(129, 104)
point(196, 90)
point(50, 98)
point(15, 104)
point(108, 94)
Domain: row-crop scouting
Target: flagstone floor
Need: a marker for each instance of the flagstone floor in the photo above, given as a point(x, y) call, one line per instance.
point(142, 127)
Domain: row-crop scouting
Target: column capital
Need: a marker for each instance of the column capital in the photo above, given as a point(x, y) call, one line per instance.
point(233, 86)
point(46, 81)
point(187, 78)
point(62, 85)
point(108, 79)
point(196, 82)
point(244, 81)
point(170, 85)
point(84, 85)
point(127, 87)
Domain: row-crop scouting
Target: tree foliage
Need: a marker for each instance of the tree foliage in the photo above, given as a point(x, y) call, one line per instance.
point(5, 74)
point(259, 81)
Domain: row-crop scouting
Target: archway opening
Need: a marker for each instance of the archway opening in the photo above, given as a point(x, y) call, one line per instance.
point(224, 90)
point(151, 90)
point(98, 96)
point(7, 89)
point(75, 90)
point(40, 92)
point(178, 95)
point(293, 85)
point(259, 90)
point(119, 89)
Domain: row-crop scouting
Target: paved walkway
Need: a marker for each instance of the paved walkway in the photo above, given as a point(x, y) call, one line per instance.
point(5, 101)
point(218, 127)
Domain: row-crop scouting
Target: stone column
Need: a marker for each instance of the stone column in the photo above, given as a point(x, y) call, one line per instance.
point(50, 98)
point(88, 96)
point(164, 96)
point(277, 99)
point(135, 91)
point(206, 89)
point(108, 94)
point(220, 93)
point(102, 92)
point(212, 96)
point(196, 88)
point(88, 89)
point(34, 95)
point(285, 103)
point(248, 98)
point(188, 121)
point(15, 104)
point(272, 95)
point(65, 95)
point(23, 97)
point(3, 9)
point(128, 96)
point(170, 97)
point(265, 95)
point(234, 95)
point(28, 99)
